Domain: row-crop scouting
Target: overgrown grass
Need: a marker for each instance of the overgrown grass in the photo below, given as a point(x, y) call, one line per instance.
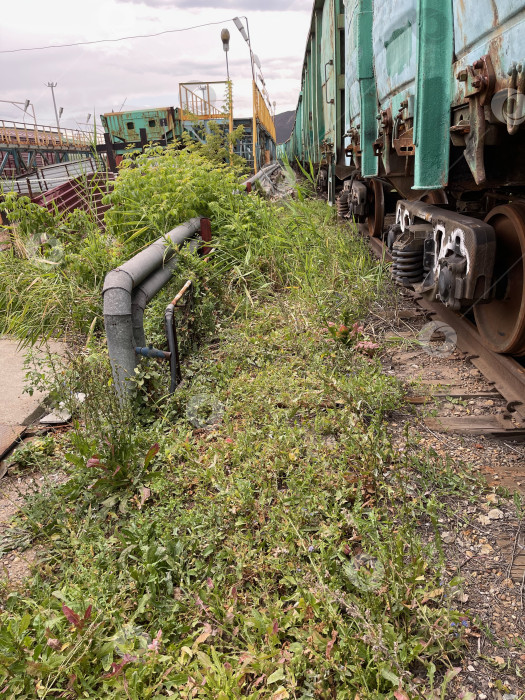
point(278, 552)
point(59, 261)
point(52, 278)
point(256, 535)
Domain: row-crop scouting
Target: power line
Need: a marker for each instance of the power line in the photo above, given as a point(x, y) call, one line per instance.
point(122, 38)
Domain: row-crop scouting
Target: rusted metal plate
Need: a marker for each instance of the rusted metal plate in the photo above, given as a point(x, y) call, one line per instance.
point(78, 193)
point(494, 426)
point(9, 434)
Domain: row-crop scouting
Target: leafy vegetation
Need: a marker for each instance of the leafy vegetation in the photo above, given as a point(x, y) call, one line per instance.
point(255, 535)
point(61, 260)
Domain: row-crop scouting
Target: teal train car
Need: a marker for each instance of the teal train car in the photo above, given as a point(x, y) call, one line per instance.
point(132, 130)
point(126, 132)
point(413, 113)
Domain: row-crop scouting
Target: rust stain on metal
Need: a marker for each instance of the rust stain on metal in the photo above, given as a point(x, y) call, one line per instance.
point(460, 16)
point(495, 21)
point(9, 435)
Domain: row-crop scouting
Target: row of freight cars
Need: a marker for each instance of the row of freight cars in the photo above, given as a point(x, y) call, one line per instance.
point(415, 110)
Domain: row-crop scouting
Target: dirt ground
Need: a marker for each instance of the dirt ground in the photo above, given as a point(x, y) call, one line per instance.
point(15, 564)
point(484, 542)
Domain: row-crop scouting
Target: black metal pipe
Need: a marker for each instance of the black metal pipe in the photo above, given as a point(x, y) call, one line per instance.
point(153, 352)
point(118, 290)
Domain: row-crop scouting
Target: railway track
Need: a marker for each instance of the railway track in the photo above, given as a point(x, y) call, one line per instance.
point(504, 374)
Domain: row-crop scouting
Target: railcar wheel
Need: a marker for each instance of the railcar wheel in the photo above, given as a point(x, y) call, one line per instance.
point(375, 199)
point(501, 322)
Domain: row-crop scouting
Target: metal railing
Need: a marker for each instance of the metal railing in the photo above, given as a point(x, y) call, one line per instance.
point(262, 113)
point(48, 177)
point(194, 106)
point(38, 136)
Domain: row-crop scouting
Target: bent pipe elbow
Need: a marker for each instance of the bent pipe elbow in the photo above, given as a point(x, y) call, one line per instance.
point(126, 292)
point(141, 265)
point(144, 293)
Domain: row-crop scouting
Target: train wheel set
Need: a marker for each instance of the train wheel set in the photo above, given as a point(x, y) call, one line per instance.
point(413, 113)
point(500, 319)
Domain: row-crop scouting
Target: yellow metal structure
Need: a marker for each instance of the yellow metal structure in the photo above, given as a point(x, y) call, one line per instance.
point(194, 107)
point(262, 116)
point(262, 112)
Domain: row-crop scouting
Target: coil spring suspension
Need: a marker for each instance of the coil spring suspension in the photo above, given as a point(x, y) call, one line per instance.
point(342, 204)
point(407, 268)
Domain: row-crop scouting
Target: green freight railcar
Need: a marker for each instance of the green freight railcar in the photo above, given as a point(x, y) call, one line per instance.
point(416, 109)
point(317, 136)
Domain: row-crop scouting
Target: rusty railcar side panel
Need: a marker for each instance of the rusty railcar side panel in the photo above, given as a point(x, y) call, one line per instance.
point(474, 81)
point(488, 92)
point(155, 124)
point(317, 136)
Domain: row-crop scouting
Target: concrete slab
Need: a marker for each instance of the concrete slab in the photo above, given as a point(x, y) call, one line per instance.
point(17, 408)
point(9, 434)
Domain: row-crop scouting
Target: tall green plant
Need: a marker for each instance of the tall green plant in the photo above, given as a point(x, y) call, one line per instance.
point(161, 188)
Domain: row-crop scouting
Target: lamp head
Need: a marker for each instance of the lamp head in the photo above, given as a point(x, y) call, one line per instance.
point(240, 27)
point(26, 105)
point(225, 37)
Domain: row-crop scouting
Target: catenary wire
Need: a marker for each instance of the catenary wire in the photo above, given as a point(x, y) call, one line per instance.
point(122, 38)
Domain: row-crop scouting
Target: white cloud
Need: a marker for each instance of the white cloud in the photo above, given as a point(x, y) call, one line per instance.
point(145, 72)
point(238, 6)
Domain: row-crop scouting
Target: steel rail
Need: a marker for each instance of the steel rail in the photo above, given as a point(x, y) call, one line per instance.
point(505, 373)
point(502, 371)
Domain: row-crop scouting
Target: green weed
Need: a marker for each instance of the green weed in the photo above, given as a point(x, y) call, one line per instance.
point(256, 535)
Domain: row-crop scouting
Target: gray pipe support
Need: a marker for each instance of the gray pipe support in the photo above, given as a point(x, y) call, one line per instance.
point(117, 293)
point(267, 170)
point(143, 294)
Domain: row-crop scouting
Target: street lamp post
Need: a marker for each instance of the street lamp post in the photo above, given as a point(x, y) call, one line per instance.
point(24, 109)
point(53, 86)
point(225, 37)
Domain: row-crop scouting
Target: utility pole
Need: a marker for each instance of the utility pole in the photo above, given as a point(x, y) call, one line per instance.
point(53, 86)
point(246, 36)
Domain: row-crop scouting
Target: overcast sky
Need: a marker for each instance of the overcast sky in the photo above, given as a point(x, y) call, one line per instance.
point(144, 72)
